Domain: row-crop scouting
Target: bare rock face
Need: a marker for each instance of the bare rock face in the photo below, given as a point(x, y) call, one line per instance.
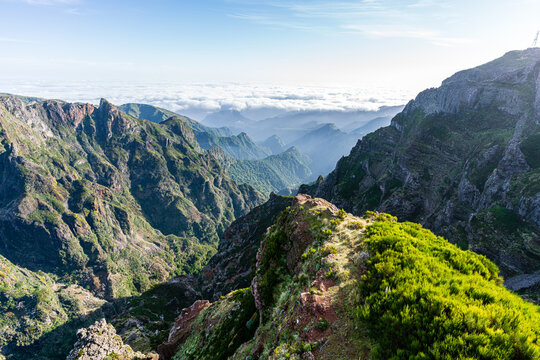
point(99, 341)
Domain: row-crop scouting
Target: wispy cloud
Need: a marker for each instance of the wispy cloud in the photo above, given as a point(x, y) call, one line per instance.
point(433, 37)
point(345, 16)
point(46, 2)
point(275, 22)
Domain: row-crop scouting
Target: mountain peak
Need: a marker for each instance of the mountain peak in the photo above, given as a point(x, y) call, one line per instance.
point(509, 81)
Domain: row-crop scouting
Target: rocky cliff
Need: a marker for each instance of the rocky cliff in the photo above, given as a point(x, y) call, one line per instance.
point(121, 201)
point(462, 159)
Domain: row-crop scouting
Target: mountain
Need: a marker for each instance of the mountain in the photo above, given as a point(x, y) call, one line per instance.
point(96, 197)
point(157, 114)
point(275, 144)
point(231, 119)
point(91, 196)
point(325, 146)
point(238, 146)
point(463, 160)
point(271, 174)
point(330, 285)
point(293, 125)
point(143, 322)
point(371, 126)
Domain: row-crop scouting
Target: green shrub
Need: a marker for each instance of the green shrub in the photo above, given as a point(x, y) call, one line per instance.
point(322, 324)
point(506, 219)
point(427, 299)
point(531, 149)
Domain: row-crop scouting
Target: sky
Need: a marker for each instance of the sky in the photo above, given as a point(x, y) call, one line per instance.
point(404, 46)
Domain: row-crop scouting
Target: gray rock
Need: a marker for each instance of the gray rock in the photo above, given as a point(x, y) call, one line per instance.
point(100, 340)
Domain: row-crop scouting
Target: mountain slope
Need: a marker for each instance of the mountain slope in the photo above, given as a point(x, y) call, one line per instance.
point(333, 286)
point(271, 174)
point(275, 144)
point(157, 114)
point(371, 126)
point(238, 146)
point(462, 160)
point(325, 145)
point(32, 303)
point(115, 202)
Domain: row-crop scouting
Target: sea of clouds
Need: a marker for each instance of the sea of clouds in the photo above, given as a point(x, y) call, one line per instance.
point(198, 100)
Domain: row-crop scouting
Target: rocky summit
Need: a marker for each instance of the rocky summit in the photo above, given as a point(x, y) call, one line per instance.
point(461, 159)
point(99, 342)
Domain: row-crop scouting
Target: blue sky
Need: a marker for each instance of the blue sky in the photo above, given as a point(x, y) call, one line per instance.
point(407, 44)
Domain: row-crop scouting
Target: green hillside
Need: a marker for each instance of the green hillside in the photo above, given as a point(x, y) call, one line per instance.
point(330, 285)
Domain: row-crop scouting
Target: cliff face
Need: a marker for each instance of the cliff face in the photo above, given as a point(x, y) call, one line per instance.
point(108, 200)
point(233, 266)
point(462, 159)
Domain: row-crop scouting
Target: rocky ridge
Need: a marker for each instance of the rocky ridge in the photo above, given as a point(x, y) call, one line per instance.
point(321, 280)
point(461, 160)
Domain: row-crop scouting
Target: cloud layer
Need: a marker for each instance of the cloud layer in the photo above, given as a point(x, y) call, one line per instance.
point(197, 100)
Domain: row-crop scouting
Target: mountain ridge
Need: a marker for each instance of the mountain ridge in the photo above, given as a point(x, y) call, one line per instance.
point(458, 160)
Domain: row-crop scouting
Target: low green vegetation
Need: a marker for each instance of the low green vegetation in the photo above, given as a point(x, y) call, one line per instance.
point(221, 328)
point(387, 290)
point(531, 149)
point(426, 299)
point(32, 305)
point(273, 173)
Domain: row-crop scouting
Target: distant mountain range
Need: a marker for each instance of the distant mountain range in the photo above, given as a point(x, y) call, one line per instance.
point(323, 143)
point(325, 136)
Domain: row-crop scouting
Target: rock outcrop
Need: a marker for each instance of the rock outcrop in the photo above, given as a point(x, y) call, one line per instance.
point(181, 329)
point(100, 341)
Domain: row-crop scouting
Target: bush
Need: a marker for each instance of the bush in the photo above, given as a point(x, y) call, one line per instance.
point(531, 149)
point(322, 324)
point(427, 299)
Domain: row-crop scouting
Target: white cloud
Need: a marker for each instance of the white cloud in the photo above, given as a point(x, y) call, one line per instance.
point(197, 100)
